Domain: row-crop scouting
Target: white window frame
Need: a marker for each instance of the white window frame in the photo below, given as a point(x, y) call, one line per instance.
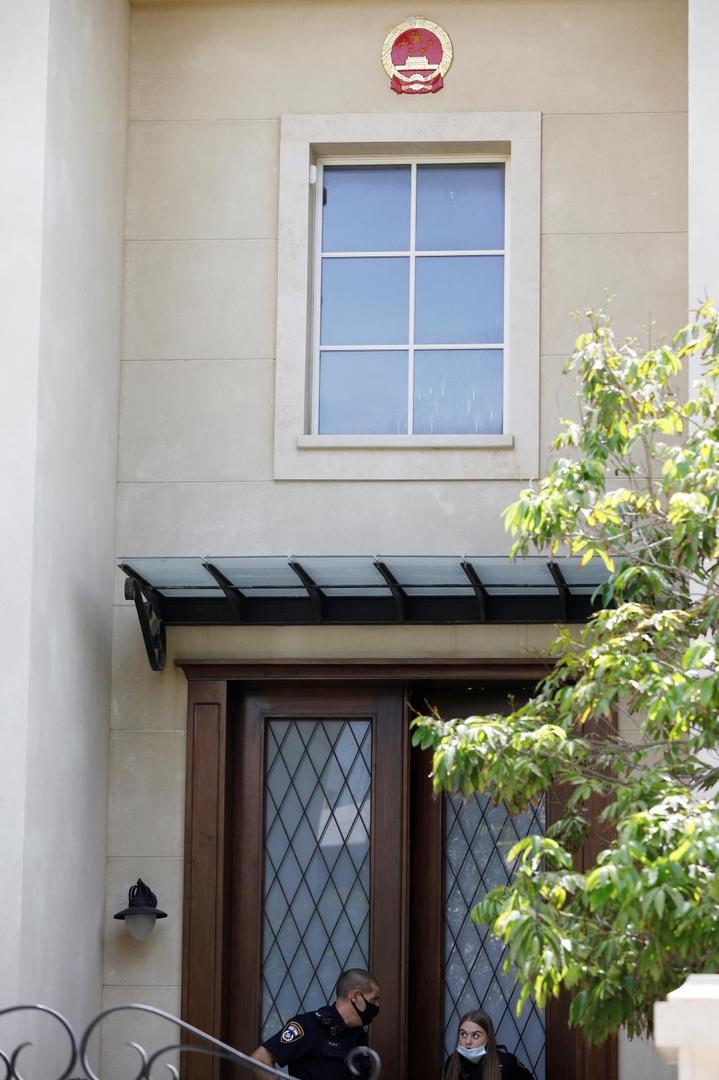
point(412, 254)
point(309, 141)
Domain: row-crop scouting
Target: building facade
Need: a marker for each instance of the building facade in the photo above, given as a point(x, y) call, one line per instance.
point(192, 192)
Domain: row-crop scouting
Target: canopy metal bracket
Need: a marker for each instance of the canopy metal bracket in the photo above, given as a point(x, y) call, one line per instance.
point(235, 596)
point(311, 587)
point(151, 622)
point(479, 590)
point(558, 578)
point(398, 594)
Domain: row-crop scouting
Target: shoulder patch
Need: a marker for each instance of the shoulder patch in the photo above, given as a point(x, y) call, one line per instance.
point(292, 1031)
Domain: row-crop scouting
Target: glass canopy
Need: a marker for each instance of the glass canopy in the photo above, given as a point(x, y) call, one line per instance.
point(398, 580)
point(288, 590)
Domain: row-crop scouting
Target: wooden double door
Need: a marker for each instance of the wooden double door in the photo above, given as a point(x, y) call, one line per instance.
point(314, 844)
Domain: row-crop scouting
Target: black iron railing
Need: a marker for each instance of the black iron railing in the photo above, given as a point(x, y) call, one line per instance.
point(74, 1060)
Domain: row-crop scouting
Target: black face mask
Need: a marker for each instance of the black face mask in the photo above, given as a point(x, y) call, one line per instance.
point(368, 1014)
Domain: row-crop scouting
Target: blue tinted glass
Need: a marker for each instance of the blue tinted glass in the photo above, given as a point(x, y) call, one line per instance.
point(458, 392)
point(366, 208)
point(460, 207)
point(365, 302)
point(459, 300)
point(363, 393)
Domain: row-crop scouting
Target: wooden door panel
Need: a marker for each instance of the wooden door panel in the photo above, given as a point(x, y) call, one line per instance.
point(205, 939)
point(385, 708)
point(426, 918)
point(569, 1055)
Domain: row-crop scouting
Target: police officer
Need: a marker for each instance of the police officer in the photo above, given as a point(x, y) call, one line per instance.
point(315, 1045)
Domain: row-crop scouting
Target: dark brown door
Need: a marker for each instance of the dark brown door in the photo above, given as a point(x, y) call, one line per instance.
point(459, 848)
point(313, 843)
point(459, 851)
point(318, 855)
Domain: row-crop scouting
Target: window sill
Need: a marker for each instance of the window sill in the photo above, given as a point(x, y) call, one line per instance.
point(396, 457)
point(405, 442)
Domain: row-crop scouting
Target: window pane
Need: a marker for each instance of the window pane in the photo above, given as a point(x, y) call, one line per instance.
point(315, 916)
point(477, 839)
point(459, 300)
point(460, 207)
point(458, 392)
point(366, 208)
point(363, 393)
point(365, 302)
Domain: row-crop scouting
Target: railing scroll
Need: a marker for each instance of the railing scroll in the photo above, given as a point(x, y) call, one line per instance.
point(362, 1062)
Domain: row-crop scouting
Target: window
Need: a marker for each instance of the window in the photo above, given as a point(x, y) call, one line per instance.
point(408, 304)
point(409, 328)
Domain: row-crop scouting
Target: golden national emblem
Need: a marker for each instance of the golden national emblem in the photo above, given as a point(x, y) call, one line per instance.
point(416, 55)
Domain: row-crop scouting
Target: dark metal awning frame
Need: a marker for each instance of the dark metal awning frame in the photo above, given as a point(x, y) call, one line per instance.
point(354, 591)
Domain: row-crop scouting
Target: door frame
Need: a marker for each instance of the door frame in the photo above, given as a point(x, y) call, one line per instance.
point(206, 937)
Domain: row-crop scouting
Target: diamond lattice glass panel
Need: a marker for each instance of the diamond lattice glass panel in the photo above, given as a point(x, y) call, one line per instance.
point(477, 839)
point(317, 862)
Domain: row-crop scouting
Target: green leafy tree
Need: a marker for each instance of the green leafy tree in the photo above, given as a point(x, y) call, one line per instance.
point(630, 712)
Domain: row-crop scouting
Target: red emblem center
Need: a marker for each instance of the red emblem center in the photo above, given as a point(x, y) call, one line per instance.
point(416, 45)
point(417, 57)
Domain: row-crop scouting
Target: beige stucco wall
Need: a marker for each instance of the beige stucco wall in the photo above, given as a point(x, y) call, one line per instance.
point(65, 68)
point(23, 57)
point(74, 521)
point(208, 86)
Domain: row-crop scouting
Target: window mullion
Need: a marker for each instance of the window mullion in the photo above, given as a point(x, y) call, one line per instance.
point(410, 338)
point(316, 302)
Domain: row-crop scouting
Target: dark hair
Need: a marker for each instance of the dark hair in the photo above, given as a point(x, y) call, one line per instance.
point(355, 979)
point(492, 1070)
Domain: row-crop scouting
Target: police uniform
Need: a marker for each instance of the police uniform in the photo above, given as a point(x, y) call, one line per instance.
point(510, 1066)
point(314, 1045)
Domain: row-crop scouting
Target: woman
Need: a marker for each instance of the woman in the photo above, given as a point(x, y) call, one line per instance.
point(478, 1057)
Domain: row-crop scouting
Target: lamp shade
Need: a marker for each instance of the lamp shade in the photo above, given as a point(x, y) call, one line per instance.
point(142, 912)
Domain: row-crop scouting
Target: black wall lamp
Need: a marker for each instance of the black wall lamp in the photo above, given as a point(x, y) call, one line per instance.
point(142, 912)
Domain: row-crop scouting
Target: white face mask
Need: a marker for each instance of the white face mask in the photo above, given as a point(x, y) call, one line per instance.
point(472, 1053)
